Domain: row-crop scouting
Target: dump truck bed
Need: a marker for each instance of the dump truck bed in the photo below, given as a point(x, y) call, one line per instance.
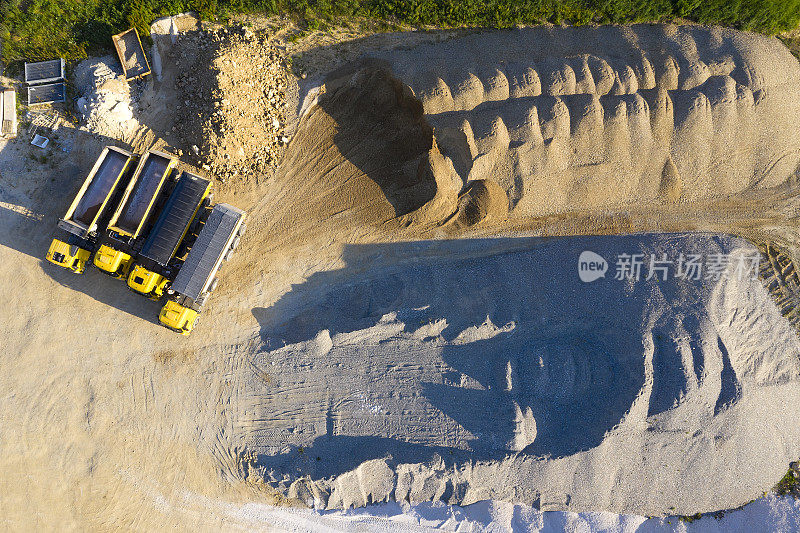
point(131, 54)
point(97, 189)
point(141, 194)
point(175, 218)
point(44, 71)
point(206, 255)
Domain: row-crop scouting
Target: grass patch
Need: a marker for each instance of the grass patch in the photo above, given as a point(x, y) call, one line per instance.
point(793, 44)
point(789, 484)
point(44, 29)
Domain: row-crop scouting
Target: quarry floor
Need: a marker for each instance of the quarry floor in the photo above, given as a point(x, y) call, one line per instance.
point(339, 353)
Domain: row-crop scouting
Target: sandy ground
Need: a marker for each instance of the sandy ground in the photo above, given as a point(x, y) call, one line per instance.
point(767, 514)
point(345, 350)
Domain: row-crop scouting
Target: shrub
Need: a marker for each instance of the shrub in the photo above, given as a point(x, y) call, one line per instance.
point(44, 29)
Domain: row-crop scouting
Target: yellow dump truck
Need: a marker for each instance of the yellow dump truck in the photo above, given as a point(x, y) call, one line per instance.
point(87, 216)
point(131, 221)
point(197, 277)
point(159, 259)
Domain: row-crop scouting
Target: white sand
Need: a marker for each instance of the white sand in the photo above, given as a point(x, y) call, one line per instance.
point(766, 514)
point(649, 396)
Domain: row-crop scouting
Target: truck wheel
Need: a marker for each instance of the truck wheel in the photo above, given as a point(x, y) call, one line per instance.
point(242, 229)
point(213, 284)
point(235, 243)
point(228, 255)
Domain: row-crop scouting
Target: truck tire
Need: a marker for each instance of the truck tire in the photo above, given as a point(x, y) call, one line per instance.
point(213, 284)
point(235, 243)
point(242, 229)
point(228, 256)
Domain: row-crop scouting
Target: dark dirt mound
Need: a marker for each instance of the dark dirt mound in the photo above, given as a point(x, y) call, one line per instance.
point(381, 130)
point(363, 154)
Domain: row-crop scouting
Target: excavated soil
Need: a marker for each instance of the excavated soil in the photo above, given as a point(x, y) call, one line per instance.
point(233, 112)
point(687, 130)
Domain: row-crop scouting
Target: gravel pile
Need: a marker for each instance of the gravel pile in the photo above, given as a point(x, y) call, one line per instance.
point(233, 114)
point(106, 102)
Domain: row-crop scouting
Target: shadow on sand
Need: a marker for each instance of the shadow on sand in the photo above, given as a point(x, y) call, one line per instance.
point(565, 370)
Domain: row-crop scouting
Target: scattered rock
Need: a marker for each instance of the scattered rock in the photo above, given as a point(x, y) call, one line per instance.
point(235, 111)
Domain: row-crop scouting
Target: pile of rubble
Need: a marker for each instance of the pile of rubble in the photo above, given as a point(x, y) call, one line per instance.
point(106, 101)
point(232, 102)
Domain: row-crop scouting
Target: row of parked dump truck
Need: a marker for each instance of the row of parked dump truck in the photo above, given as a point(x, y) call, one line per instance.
point(139, 219)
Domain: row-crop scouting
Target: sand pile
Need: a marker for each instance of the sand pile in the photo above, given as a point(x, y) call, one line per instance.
point(488, 369)
point(589, 118)
point(481, 200)
point(474, 370)
point(547, 121)
point(362, 156)
point(233, 117)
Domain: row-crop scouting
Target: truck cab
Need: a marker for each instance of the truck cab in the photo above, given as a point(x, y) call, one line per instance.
point(177, 317)
point(69, 256)
point(147, 282)
point(113, 262)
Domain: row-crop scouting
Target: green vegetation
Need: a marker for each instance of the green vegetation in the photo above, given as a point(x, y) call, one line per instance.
point(43, 29)
point(692, 518)
point(793, 44)
point(790, 484)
